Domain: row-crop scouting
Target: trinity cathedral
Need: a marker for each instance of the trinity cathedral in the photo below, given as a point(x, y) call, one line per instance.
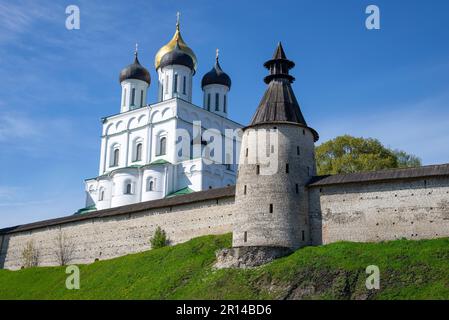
point(139, 158)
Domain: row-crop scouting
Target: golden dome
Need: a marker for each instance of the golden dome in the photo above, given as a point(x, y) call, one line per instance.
point(171, 45)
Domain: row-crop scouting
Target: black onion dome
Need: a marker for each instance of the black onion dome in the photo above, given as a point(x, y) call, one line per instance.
point(135, 71)
point(177, 57)
point(216, 76)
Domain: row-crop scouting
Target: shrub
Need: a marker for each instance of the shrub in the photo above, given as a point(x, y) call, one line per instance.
point(159, 239)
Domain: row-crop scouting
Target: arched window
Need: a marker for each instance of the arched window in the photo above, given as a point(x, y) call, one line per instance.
point(141, 98)
point(138, 152)
point(101, 195)
point(150, 184)
point(208, 102)
point(115, 157)
point(175, 84)
point(184, 85)
point(128, 187)
point(217, 102)
point(133, 96)
point(162, 146)
point(225, 102)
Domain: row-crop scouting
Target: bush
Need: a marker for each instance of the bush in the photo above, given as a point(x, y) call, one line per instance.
point(159, 239)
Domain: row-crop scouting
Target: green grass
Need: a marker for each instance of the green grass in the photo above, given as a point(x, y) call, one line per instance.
point(408, 270)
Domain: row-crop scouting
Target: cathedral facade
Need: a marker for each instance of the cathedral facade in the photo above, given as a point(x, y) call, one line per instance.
point(142, 157)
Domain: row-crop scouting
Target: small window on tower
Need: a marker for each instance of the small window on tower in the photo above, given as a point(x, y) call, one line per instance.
point(245, 236)
point(271, 208)
point(303, 235)
point(297, 188)
point(217, 102)
point(166, 84)
point(208, 102)
point(184, 85)
point(225, 107)
point(297, 150)
point(141, 98)
point(175, 84)
point(246, 153)
point(287, 168)
point(133, 96)
point(244, 190)
point(257, 169)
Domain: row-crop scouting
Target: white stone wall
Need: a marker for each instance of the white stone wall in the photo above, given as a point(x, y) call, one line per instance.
point(371, 212)
point(110, 237)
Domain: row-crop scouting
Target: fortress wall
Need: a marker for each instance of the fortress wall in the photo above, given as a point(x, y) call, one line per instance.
point(377, 211)
point(113, 236)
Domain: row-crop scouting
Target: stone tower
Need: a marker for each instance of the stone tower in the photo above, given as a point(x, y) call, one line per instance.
point(277, 160)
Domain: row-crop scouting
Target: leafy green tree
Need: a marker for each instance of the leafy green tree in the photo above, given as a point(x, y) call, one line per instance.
point(159, 239)
point(347, 154)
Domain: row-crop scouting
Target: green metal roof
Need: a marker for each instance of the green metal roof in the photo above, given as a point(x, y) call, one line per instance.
point(160, 161)
point(86, 209)
point(182, 191)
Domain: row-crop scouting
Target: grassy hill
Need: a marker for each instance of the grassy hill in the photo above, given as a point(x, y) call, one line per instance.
point(409, 270)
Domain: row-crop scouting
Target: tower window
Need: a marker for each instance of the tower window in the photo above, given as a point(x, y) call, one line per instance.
point(175, 84)
point(138, 152)
point(246, 152)
point(297, 150)
point(133, 96)
point(271, 208)
point(245, 236)
point(128, 188)
point(303, 235)
point(141, 98)
point(287, 168)
point(166, 84)
point(115, 158)
point(297, 188)
point(162, 146)
point(208, 102)
point(225, 107)
point(101, 195)
point(217, 102)
point(184, 85)
point(272, 149)
point(303, 132)
point(244, 190)
point(257, 169)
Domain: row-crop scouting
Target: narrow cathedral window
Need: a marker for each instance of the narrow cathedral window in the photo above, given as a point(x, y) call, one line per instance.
point(257, 169)
point(175, 84)
point(217, 102)
point(297, 150)
point(224, 104)
point(133, 96)
point(141, 98)
point(271, 208)
point(303, 235)
point(166, 84)
point(101, 196)
point(162, 146)
point(151, 186)
point(124, 97)
point(138, 152)
point(297, 188)
point(208, 102)
point(116, 157)
point(184, 85)
point(244, 190)
point(287, 168)
point(128, 188)
point(245, 236)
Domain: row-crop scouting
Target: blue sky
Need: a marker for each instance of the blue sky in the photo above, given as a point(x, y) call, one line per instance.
point(391, 84)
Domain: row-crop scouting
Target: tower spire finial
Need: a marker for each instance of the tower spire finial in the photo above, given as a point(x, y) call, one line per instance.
point(217, 54)
point(178, 15)
point(136, 50)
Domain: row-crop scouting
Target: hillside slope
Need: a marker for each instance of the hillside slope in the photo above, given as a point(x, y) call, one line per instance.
point(409, 270)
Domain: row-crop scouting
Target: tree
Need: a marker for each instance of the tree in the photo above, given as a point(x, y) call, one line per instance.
point(347, 154)
point(64, 249)
point(30, 255)
point(159, 239)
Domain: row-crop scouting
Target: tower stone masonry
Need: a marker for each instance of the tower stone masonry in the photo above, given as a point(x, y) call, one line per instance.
point(272, 205)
